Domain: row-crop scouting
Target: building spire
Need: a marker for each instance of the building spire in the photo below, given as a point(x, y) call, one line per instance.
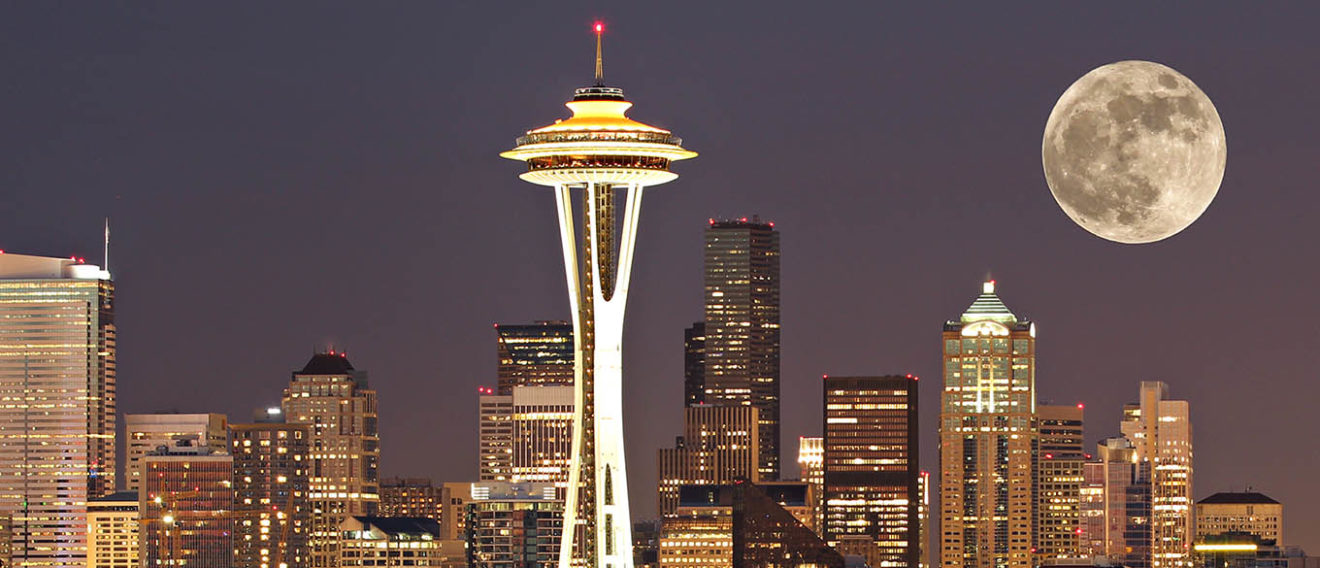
point(105, 253)
point(600, 63)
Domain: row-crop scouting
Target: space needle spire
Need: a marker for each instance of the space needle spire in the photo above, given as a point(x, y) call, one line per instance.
point(607, 159)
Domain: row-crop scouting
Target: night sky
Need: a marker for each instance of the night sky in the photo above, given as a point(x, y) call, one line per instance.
point(281, 177)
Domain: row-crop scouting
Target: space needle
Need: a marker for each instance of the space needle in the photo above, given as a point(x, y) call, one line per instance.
point(610, 158)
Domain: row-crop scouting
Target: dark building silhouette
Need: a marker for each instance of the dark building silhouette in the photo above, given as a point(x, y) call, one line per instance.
point(694, 364)
point(533, 355)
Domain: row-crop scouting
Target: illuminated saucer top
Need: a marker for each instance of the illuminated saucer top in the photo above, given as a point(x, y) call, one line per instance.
point(598, 144)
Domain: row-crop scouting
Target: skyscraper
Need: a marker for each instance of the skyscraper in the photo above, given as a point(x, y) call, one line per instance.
point(514, 525)
point(1161, 435)
point(987, 437)
point(57, 428)
point(694, 364)
point(609, 157)
point(535, 354)
point(742, 325)
point(718, 446)
point(146, 432)
point(872, 474)
point(187, 502)
point(334, 401)
point(1060, 476)
point(811, 464)
point(272, 510)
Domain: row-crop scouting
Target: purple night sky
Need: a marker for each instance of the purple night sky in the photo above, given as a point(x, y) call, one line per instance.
point(286, 176)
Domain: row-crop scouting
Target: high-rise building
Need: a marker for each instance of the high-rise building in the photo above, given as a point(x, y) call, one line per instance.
point(526, 436)
point(187, 500)
point(744, 525)
point(1110, 511)
point(742, 325)
point(1246, 512)
point(923, 535)
point(412, 497)
point(453, 520)
point(389, 541)
point(514, 525)
point(57, 425)
point(694, 364)
point(1060, 477)
point(811, 466)
point(146, 432)
point(112, 531)
point(272, 509)
point(718, 446)
point(987, 437)
point(1161, 435)
point(335, 402)
point(494, 435)
point(612, 158)
point(534, 355)
point(872, 474)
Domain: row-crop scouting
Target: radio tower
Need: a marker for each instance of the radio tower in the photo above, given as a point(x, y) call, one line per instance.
point(609, 157)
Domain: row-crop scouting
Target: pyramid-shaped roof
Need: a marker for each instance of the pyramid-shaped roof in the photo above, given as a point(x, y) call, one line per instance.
point(988, 306)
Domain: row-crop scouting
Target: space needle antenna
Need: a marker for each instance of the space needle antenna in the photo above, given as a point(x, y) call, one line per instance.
point(600, 62)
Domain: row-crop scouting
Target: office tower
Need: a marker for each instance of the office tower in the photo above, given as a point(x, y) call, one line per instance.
point(872, 475)
point(1109, 509)
point(719, 444)
point(987, 437)
point(527, 435)
point(514, 525)
point(1161, 435)
point(694, 364)
point(335, 402)
point(1246, 512)
point(187, 500)
point(611, 158)
point(146, 432)
point(743, 525)
point(272, 507)
point(494, 435)
point(57, 425)
point(412, 497)
point(742, 325)
point(381, 541)
point(453, 521)
point(1060, 476)
point(112, 531)
point(534, 355)
point(811, 465)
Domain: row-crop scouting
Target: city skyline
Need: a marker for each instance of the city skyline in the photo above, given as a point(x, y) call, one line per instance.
point(913, 238)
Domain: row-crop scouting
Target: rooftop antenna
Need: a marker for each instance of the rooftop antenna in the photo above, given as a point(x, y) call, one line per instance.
point(600, 63)
point(105, 254)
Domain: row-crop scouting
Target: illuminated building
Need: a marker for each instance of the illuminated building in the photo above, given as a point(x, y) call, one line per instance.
point(1111, 508)
point(646, 544)
point(146, 432)
point(872, 475)
point(718, 445)
point(611, 158)
point(924, 522)
point(1240, 512)
point(987, 437)
point(742, 325)
point(534, 355)
point(494, 435)
point(514, 525)
point(187, 500)
point(334, 401)
point(57, 425)
point(811, 465)
point(112, 531)
point(272, 510)
point(1161, 435)
point(453, 520)
point(380, 541)
point(694, 364)
point(412, 497)
point(527, 435)
point(1060, 475)
point(744, 525)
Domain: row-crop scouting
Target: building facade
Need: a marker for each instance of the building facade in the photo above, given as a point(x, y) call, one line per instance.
point(335, 402)
point(719, 445)
point(1245, 512)
point(1060, 477)
point(113, 535)
point(742, 326)
point(744, 525)
point(988, 437)
point(539, 354)
point(514, 525)
point(1161, 433)
point(811, 469)
point(272, 506)
point(187, 501)
point(379, 541)
point(57, 430)
point(872, 474)
point(413, 497)
point(694, 364)
point(146, 432)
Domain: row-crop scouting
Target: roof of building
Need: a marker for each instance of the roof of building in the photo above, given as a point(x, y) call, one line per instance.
point(1236, 498)
point(988, 306)
point(118, 496)
point(327, 364)
point(402, 525)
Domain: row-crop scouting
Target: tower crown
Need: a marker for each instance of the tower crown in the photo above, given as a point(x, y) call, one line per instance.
point(599, 143)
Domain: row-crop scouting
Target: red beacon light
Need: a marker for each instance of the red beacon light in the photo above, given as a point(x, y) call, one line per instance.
point(600, 27)
point(1081, 406)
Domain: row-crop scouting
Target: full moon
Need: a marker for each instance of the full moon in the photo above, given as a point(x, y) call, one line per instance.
point(1134, 152)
